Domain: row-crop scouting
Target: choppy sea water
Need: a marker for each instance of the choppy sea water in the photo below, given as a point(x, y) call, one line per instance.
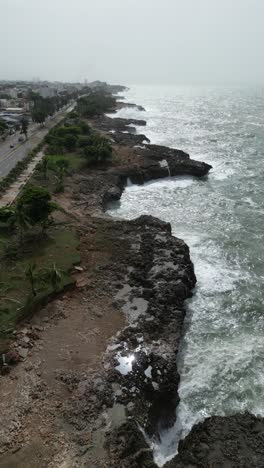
point(221, 218)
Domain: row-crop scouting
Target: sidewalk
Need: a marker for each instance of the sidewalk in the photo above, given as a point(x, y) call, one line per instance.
point(13, 191)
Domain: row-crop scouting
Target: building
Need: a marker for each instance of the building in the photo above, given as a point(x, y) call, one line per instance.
point(14, 110)
point(46, 91)
point(3, 103)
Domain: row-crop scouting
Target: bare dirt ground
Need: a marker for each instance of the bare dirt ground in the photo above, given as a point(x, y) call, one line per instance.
point(70, 336)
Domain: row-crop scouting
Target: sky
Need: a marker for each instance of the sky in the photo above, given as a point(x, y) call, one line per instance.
point(133, 41)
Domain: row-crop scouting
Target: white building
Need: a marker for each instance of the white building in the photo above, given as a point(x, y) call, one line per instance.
point(14, 110)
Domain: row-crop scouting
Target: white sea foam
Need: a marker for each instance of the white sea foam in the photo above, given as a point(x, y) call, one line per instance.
point(221, 361)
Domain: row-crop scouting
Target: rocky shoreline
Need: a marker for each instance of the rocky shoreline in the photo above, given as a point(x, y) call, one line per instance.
point(229, 441)
point(151, 278)
point(96, 407)
point(141, 364)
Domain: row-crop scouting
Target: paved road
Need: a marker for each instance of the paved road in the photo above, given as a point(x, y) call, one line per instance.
point(10, 156)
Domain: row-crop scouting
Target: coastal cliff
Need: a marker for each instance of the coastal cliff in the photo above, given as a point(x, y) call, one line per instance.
point(154, 277)
point(132, 283)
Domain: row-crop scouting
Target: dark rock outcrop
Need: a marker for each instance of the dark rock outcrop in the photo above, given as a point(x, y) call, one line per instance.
point(156, 162)
point(108, 124)
point(123, 105)
point(179, 162)
point(150, 274)
point(224, 442)
point(160, 277)
point(129, 139)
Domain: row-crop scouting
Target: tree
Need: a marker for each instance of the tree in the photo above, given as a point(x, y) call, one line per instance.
point(99, 150)
point(70, 142)
point(44, 166)
point(6, 214)
point(3, 127)
point(96, 103)
point(21, 219)
point(61, 167)
point(84, 140)
point(38, 115)
point(24, 127)
point(36, 203)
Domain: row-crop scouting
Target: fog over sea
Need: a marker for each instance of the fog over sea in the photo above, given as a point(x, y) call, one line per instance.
point(221, 218)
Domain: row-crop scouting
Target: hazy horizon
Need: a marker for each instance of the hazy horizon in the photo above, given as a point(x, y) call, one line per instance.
point(140, 42)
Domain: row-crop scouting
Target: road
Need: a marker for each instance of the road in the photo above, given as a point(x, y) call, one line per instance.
point(10, 156)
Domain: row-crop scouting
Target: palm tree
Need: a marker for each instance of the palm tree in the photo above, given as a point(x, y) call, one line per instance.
point(32, 276)
point(61, 169)
point(44, 166)
point(22, 220)
point(55, 277)
point(24, 127)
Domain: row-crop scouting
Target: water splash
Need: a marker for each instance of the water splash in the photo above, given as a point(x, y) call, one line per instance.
point(164, 163)
point(221, 361)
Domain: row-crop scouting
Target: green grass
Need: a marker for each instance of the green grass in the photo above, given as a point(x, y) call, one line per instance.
point(75, 160)
point(16, 300)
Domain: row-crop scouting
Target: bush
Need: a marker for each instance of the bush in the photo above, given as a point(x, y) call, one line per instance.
point(70, 142)
point(6, 214)
point(65, 137)
point(98, 150)
point(73, 115)
point(84, 140)
point(36, 204)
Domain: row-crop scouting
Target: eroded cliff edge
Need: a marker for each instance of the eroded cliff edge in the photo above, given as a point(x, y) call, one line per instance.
point(68, 401)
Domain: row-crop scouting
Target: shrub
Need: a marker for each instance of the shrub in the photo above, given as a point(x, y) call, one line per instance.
point(6, 214)
point(65, 137)
point(98, 150)
point(84, 140)
point(36, 204)
point(70, 142)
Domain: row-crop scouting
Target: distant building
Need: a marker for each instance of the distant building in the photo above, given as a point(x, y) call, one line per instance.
point(14, 110)
point(10, 119)
point(46, 92)
point(3, 103)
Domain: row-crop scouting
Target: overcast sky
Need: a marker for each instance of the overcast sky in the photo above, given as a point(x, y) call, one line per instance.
point(133, 41)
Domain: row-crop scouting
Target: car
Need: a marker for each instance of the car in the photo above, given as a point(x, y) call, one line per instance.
point(11, 146)
point(21, 139)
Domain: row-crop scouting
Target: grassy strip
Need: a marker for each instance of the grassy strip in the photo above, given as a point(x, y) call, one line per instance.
point(16, 300)
point(60, 247)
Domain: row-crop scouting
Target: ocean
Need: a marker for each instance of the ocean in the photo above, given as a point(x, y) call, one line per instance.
point(221, 218)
